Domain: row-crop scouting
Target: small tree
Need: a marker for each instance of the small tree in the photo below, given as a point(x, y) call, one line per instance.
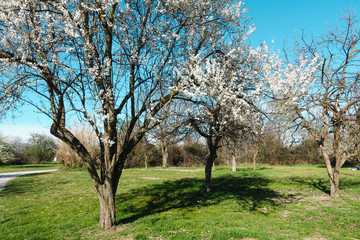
point(144, 155)
point(40, 148)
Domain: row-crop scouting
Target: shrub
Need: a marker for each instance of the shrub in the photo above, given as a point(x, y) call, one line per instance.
point(190, 154)
point(307, 152)
point(176, 157)
point(39, 148)
point(273, 151)
point(194, 154)
point(142, 153)
point(7, 154)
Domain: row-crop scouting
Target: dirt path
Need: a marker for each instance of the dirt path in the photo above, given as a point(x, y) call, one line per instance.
point(5, 177)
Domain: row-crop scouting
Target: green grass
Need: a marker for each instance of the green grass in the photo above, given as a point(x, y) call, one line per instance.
point(29, 167)
point(273, 202)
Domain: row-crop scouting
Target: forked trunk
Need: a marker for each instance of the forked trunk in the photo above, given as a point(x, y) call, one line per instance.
point(107, 218)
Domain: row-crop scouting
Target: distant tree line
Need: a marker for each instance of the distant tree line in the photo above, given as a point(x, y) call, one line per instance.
point(38, 148)
point(188, 153)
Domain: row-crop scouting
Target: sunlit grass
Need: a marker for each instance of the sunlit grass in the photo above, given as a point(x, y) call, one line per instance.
point(29, 167)
point(270, 203)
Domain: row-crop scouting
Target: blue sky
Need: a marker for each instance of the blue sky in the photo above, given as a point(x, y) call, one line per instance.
point(282, 19)
point(274, 20)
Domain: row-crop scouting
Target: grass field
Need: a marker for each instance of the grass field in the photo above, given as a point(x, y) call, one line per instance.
point(273, 202)
point(30, 167)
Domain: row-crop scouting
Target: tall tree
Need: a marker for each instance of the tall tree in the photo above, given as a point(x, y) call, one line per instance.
point(113, 64)
point(331, 108)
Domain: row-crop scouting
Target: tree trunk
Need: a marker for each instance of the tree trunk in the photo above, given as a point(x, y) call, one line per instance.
point(334, 184)
point(146, 162)
point(107, 218)
point(334, 178)
point(208, 168)
point(233, 163)
point(164, 152)
point(333, 174)
point(254, 159)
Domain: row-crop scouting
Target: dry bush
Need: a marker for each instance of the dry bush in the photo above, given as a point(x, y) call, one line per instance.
point(69, 157)
point(188, 155)
point(273, 151)
point(144, 155)
point(194, 154)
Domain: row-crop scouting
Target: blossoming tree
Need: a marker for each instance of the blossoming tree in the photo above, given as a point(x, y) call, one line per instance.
point(113, 64)
point(235, 86)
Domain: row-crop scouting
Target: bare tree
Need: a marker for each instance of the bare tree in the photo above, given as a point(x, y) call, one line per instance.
point(331, 109)
point(112, 64)
point(172, 130)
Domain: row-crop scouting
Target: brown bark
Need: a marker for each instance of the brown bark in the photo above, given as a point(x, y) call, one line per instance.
point(334, 184)
point(164, 152)
point(107, 218)
point(332, 173)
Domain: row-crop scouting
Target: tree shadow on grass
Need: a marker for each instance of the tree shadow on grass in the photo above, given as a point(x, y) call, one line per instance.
point(317, 183)
point(251, 194)
point(323, 184)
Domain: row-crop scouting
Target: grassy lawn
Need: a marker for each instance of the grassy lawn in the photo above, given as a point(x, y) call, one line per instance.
point(273, 202)
point(29, 167)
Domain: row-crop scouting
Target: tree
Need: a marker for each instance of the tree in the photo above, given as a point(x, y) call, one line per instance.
point(330, 109)
point(235, 86)
point(7, 153)
point(11, 151)
point(40, 148)
point(216, 113)
point(144, 155)
point(112, 64)
point(172, 130)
